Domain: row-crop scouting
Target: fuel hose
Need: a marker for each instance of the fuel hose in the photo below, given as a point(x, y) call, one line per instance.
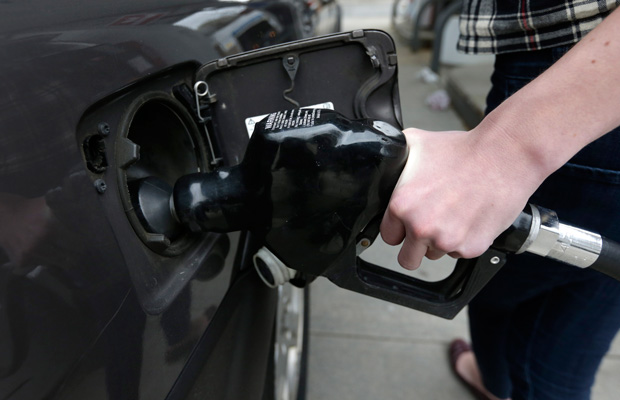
point(608, 261)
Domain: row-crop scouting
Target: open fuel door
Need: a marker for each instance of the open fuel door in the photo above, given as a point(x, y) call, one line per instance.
point(354, 73)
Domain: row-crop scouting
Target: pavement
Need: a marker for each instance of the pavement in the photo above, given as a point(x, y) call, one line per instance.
point(366, 349)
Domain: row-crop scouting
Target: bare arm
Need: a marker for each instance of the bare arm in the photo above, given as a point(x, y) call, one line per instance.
point(460, 190)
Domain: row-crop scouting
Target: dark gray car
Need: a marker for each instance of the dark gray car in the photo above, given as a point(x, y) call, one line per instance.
point(93, 305)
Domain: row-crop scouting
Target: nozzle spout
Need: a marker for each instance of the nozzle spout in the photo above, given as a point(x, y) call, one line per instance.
point(219, 201)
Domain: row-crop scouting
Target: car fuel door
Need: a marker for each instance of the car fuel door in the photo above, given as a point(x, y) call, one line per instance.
point(354, 73)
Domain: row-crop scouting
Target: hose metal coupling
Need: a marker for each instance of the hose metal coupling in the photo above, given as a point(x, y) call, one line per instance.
point(548, 237)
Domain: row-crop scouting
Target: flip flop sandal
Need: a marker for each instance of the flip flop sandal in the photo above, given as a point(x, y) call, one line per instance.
point(456, 349)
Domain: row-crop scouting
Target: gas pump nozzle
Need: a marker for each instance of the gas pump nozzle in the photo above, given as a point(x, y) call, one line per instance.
point(313, 187)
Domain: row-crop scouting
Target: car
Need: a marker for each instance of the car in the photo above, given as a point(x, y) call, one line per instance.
point(93, 303)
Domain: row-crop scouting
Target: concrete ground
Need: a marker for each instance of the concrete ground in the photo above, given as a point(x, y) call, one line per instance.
point(366, 349)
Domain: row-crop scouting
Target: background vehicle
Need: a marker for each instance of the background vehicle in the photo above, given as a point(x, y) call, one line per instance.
point(93, 305)
point(416, 20)
point(406, 14)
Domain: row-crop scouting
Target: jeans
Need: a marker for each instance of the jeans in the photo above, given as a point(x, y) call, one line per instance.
point(540, 329)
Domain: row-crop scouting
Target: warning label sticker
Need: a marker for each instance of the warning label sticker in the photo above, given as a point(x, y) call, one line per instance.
point(290, 118)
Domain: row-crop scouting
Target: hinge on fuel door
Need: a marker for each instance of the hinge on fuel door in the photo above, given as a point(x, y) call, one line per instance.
point(203, 100)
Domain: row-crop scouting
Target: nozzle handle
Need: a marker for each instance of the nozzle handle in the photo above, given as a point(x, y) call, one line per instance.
point(443, 298)
point(537, 230)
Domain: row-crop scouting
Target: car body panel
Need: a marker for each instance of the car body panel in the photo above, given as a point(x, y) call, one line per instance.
point(87, 310)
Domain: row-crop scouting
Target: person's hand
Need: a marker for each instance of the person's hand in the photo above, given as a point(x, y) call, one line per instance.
point(460, 190)
point(453, 197)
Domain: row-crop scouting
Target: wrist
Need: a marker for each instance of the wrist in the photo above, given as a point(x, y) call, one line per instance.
point(527, 137)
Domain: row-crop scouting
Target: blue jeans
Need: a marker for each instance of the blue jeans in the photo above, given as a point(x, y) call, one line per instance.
point(540, 329)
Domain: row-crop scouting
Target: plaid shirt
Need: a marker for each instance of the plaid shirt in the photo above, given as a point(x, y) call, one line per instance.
point(502, 26)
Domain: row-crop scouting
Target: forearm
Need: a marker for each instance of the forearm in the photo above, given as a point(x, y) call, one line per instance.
point(573, 103)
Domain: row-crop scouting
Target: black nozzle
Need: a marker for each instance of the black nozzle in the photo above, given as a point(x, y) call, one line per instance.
point(219, 201)
point(309, 183)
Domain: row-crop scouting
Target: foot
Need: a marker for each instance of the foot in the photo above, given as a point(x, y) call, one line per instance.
point(466, 368)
